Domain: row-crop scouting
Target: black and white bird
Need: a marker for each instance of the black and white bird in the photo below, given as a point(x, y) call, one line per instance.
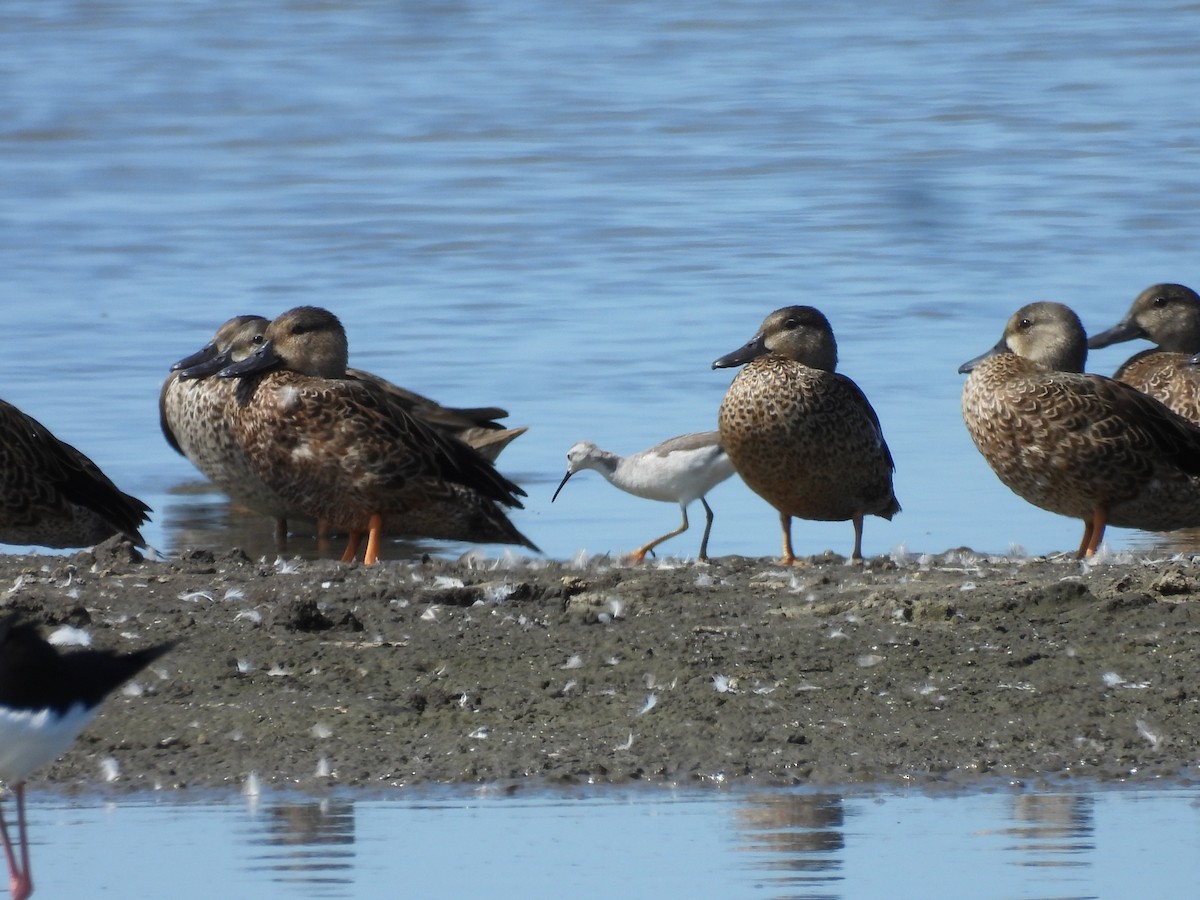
point(46, 700)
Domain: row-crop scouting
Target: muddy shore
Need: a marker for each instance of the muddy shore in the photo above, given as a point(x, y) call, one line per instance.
point(952, 668)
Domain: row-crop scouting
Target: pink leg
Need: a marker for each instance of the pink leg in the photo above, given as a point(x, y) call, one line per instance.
point(13, 868)
point(20, 883)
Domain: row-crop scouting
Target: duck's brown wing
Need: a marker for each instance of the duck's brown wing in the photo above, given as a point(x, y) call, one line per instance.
point(359, 420)
point(444, 418)
point(37, 469)
point(1114, 407)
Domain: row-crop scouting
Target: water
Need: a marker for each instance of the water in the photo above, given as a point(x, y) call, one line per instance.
point(1091, 843)
point(570, 210)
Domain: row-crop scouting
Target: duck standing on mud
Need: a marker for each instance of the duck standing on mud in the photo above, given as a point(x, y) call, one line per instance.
point(347, 454)
point(802, 436)
point(1075, 444)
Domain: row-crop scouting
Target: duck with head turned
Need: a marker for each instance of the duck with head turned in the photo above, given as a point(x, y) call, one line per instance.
point(802, 436)
point(196, 413)
point(346, 453)
point(1075, 444)
point(1168, 315)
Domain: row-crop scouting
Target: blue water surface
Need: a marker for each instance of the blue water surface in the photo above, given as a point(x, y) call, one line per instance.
point(1002, 843)
point(571, 209)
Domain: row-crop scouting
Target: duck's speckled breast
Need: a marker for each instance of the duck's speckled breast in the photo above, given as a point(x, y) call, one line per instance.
point(806, 441)
point(1066, 443)
point(200, 414)
point(1166, 377)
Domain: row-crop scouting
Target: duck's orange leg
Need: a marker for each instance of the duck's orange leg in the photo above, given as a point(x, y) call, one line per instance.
point(352, 545)
point(374, 532)
point(1093, 532)
point(789, 558)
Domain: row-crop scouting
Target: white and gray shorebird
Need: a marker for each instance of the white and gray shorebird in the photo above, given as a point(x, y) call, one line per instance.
point(46, 699)
point(679, 470)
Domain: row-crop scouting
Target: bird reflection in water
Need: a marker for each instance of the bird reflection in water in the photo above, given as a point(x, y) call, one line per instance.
point(308, 843)
point(798, 836)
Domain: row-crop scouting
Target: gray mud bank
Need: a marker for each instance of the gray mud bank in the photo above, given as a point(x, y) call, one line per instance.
point(952, 668)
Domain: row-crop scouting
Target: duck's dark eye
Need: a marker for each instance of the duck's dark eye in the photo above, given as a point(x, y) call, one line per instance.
point(1160, 301)
point(1025, 324)
point(257, 339)
point(790, 324)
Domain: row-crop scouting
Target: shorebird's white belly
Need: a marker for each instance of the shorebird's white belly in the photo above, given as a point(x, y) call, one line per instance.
point(31, 738)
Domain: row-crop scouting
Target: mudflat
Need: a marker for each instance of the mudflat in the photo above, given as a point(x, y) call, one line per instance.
point(948, 668)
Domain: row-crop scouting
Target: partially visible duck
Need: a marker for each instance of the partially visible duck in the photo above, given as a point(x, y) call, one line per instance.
point(802, 436)
point(54, 496)
point(1078, 445)
point(345, 452)
point(1168, 315)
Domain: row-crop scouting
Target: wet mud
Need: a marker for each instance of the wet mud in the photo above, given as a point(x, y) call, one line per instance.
point(953, 668)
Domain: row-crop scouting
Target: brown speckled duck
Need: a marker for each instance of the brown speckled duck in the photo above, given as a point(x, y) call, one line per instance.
point(803, 437)
point(196, 412)
point(54, 496)
point(196, 415)
point(1168, 315)
point(346, 453)
point(1078, 445)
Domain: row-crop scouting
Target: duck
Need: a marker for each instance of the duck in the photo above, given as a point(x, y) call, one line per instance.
point(346, 453)
point(678, 470)
point(46, 699)
point(1169, 315)
point(801, 435)
point(1080, 445)
point(52, 495)
point(196, 411)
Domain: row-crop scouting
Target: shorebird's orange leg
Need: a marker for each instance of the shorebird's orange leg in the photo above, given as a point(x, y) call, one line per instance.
point(352, 545)
point(374, 532)
point(640, 554)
